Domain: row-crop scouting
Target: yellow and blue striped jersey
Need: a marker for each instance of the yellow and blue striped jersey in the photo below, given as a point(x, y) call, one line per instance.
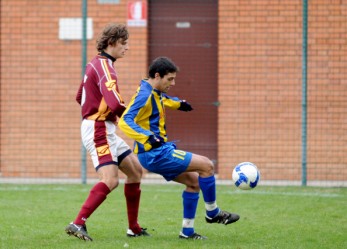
point(145, 116)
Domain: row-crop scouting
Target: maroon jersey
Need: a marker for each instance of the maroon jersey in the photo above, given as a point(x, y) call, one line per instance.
point(98, 93)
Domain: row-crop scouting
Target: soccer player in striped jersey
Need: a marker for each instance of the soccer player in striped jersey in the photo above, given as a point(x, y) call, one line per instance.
point(144, 121)
point(101, 104)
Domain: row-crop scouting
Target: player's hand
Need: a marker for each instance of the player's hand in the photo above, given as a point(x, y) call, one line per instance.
point(120, 109)
point(185, 106)
point(154, 141)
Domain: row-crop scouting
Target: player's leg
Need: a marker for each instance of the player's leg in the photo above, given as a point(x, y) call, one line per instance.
point(207, 183)
point(98, 146)
point(108, 176)
point(171, 164)
point(190, 198)
point(131, 167)
point(99, 139)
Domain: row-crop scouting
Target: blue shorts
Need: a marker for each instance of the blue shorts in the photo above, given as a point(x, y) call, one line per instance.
point(166, 161)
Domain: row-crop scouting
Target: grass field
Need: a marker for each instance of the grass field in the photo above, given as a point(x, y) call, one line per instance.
point(34, 216)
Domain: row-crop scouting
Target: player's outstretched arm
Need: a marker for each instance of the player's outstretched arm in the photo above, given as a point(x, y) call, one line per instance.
point(175, 103)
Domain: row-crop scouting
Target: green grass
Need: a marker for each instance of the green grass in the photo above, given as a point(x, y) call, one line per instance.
point(34, 216)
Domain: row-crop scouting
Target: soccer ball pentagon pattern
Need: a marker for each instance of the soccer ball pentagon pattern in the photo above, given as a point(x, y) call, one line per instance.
point(246, 175)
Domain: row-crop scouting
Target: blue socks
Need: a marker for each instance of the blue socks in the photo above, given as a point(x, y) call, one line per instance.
point(208, 189)
point(190, 203)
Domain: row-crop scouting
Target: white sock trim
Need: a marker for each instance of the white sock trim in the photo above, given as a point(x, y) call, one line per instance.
point(211, 206)
point(188, 223)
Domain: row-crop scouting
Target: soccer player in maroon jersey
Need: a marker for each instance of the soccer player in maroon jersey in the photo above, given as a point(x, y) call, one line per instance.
point(101, 104)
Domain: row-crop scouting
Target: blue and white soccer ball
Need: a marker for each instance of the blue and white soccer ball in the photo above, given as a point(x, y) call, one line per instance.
point(246, 175)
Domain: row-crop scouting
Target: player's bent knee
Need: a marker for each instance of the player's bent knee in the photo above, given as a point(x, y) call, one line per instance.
point(111, 183)
point(209, 171)
point(208, 167)
point(136, 176)
point(133, 172)
point(193, 187)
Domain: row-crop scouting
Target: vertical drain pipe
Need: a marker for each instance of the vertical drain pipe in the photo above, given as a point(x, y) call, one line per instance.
point(84, 62)
point(304, 95)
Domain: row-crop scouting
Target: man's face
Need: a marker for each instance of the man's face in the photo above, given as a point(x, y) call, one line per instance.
point(166, 82)
point(120, 48)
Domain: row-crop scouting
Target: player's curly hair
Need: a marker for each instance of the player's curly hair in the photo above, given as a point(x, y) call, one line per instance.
point(110, 35)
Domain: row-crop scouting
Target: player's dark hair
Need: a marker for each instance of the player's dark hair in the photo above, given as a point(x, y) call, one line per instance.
point(163, 66)
point(111, 34)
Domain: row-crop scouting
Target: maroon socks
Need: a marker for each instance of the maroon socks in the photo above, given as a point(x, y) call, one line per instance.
point(96, 196)
point(132, 194)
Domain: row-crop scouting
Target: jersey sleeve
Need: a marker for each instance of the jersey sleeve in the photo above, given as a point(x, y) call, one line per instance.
point(109, 89)
point(129, 122)
point(171, 102)
point(79, 94)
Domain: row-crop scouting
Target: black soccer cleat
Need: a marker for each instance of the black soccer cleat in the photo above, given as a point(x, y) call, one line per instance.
point(223, 217)
point(143, 232)
point(194, 236)
point(78, 231)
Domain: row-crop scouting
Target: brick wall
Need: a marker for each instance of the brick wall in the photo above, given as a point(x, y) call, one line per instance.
point(260, 83)
point(40, 75)
point(259, 80)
